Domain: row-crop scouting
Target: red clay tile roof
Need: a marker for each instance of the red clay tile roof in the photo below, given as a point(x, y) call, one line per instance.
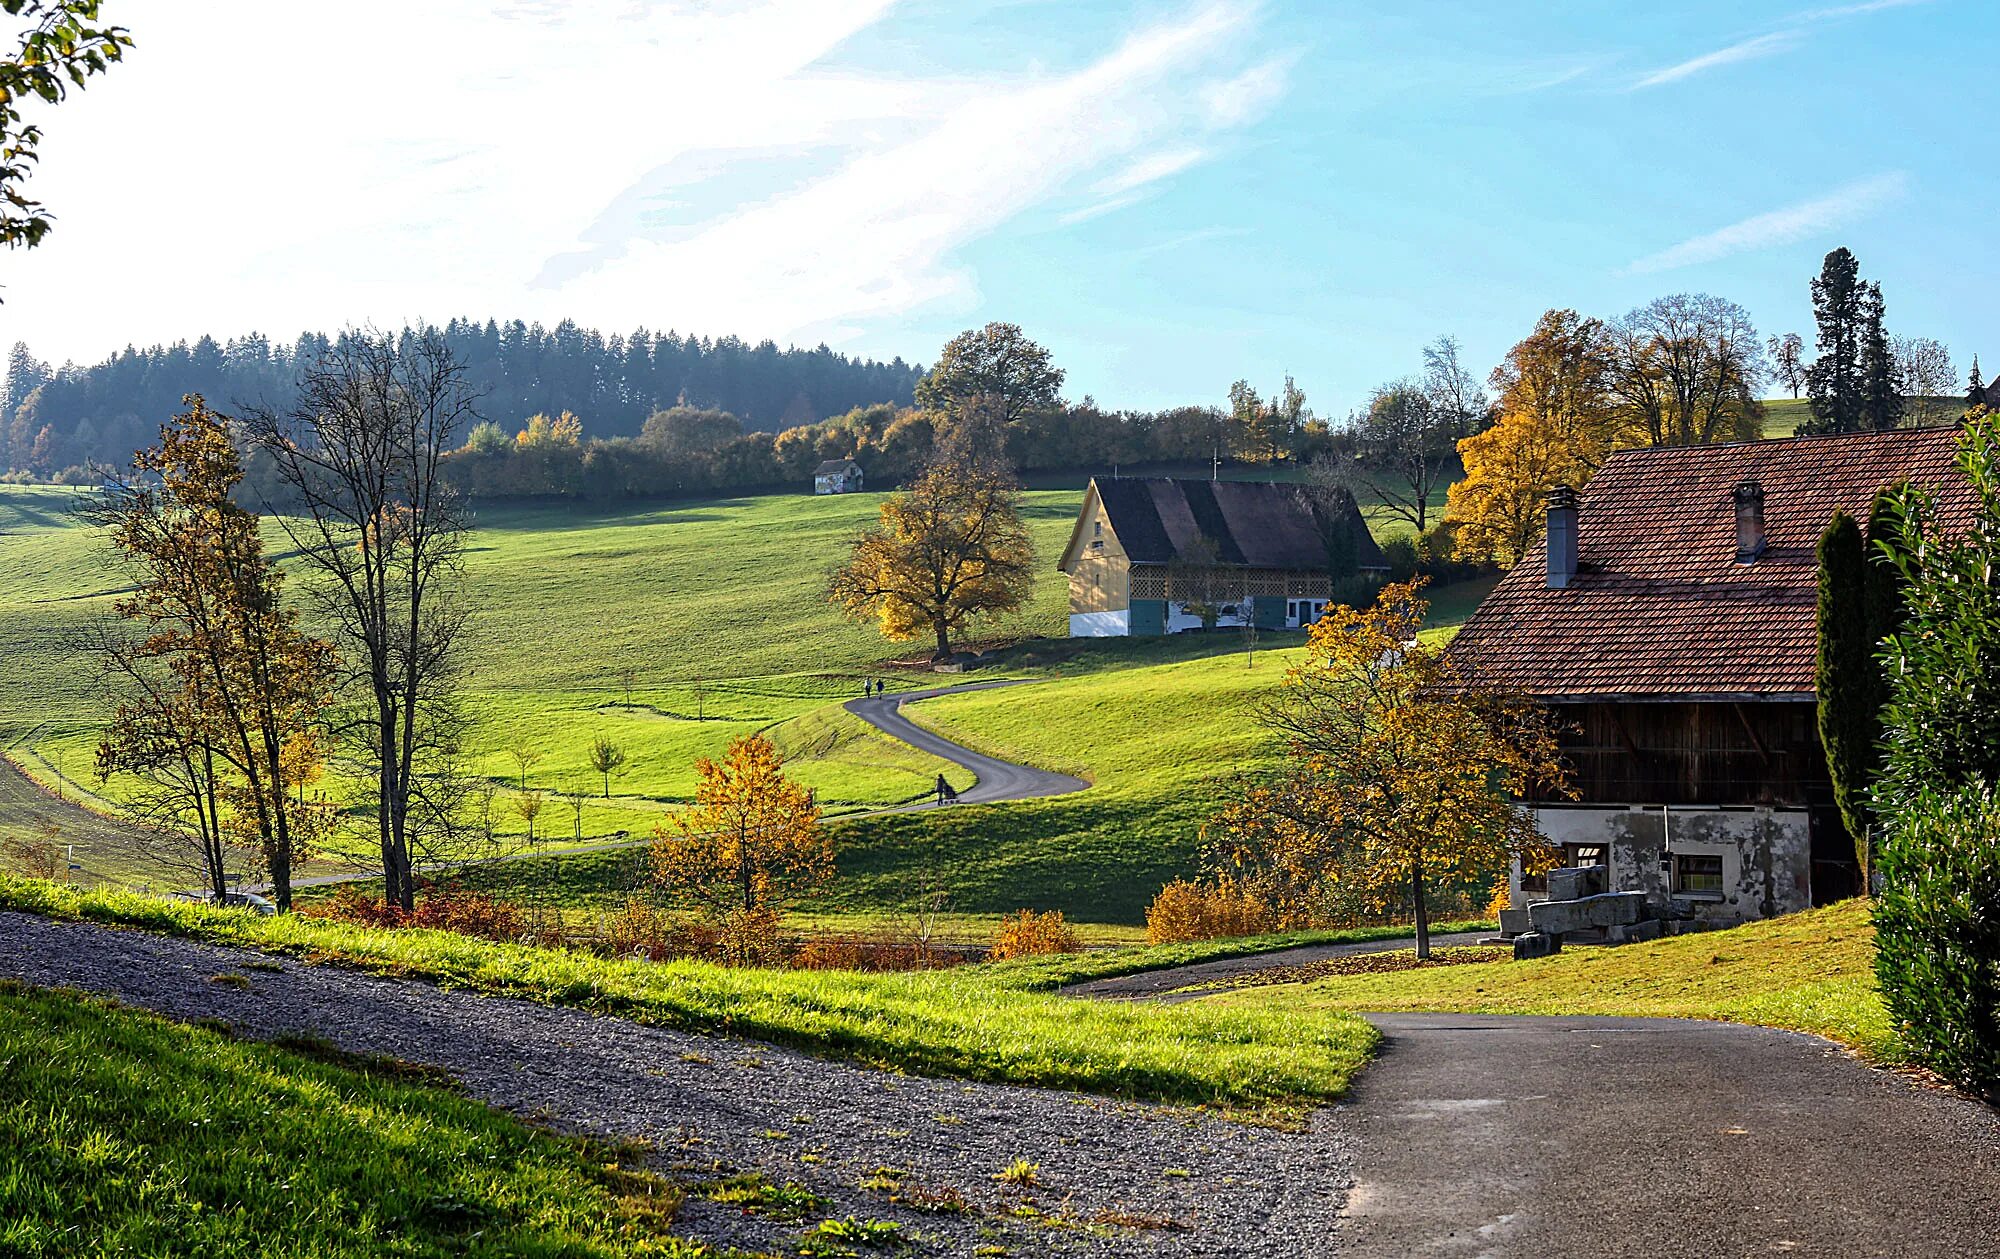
point(1659, 607)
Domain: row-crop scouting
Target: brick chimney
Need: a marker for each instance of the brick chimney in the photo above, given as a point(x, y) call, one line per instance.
point(1749, 521)
point(1562, 537)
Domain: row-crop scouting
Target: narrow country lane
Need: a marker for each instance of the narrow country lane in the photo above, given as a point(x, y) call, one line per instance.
point(997, 779)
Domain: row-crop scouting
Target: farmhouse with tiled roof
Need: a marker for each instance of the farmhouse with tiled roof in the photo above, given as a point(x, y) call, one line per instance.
point(1668, 619)
point(1148, 555)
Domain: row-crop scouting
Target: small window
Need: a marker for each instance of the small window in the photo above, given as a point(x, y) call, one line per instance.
point(1697, 875)
point(1098, 527)
point(1578, 855)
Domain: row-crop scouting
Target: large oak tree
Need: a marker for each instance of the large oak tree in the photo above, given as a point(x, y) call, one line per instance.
point(947, 551)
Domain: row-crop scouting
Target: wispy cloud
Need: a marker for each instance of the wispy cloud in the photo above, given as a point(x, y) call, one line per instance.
point(882, 234)
point(1186, 240)
point(1856, 10)
point(1131, 185)
point(1836, 209)
point(1744, 50)
point(730, 175)
point(1790, 32)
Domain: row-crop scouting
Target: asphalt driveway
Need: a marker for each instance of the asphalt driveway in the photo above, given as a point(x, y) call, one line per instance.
point(1597, 1138)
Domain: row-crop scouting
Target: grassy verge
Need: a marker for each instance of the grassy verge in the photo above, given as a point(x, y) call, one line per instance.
point(978, 1023)
point(128, 1134)
point(1807, 972)
point(1062, 969)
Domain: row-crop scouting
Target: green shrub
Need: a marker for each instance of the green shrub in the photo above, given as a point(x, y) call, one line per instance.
point(1937, 931)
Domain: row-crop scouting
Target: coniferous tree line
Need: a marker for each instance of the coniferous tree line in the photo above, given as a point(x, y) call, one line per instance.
point(56, 418)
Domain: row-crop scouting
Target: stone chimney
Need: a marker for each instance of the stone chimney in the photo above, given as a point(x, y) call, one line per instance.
point(1749, 521)
point(1562, 537)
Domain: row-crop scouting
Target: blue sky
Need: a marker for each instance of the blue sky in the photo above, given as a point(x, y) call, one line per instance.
point(1168, 194)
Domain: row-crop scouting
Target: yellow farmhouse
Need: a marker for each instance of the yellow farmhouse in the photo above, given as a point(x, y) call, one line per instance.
point(1158, 555)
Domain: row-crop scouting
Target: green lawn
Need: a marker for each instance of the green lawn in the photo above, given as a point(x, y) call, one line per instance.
point(129, 1134)
point(977, 1022)
point(1809, 972)
point(717, 610)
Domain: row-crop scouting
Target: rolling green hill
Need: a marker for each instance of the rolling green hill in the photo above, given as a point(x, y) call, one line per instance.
point(671, 628)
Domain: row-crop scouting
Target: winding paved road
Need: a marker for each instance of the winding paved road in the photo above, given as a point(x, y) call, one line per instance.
point(997, 779)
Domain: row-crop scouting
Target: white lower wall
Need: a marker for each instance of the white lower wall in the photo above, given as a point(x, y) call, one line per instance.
point(1178, 619)
point(1766, 854)
point(1100, 624)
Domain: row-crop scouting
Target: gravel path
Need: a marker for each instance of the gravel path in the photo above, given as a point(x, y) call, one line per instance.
point(1117, 1179)
point(997, 779)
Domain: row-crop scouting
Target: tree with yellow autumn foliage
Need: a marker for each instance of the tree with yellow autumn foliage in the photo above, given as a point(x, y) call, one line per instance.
point(1558, 422)
point(1403, 773)
point(948, 550)
point(221, 696)
point(748, 850)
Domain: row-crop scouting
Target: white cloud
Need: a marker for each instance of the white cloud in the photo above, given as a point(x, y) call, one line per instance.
point(1248, 95)
point(1793, 223)
point(1786, 37)
point(213, 184)
point(1746, 50)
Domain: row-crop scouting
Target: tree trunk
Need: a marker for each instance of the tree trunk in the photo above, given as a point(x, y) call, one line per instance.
point(943, 640)
point(1423, 916)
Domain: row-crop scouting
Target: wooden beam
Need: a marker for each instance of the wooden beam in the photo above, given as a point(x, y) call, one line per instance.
point(1751, 730)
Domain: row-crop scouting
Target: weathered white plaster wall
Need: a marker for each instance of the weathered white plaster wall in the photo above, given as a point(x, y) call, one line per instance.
point(1766, 855)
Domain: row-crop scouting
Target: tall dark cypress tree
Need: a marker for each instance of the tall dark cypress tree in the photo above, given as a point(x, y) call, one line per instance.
point(1834, 380)
point(1975, 388)
point(1847, 677)
point(1881, 379)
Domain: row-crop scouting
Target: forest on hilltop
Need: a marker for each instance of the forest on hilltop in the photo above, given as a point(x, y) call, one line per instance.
point(62, 417)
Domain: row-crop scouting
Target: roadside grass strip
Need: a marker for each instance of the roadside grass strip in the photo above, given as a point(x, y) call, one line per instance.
point(129, 1134)
point(974, 1023)
point(1806, 972)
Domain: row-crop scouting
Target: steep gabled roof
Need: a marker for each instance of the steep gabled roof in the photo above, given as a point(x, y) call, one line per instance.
point(1253, 524)
point(834, 467)
point(1660, 608)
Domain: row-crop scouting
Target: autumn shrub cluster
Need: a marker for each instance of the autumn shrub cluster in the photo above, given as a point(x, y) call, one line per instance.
point(440, 907)
point(1185, 910)
point(1029, 934)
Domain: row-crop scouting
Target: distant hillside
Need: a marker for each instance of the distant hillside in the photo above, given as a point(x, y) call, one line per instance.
point(54, 418)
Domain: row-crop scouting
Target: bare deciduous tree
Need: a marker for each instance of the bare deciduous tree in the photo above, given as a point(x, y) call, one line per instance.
point(361, 452)
point(1685, 371)
point(1403, 448)
point(1930, 382)
point(1788, 361)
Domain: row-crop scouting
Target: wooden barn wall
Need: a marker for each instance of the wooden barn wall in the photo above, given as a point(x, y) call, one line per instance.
point(1706, 753)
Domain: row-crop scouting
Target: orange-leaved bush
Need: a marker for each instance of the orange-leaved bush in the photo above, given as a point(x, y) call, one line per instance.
point(1028, 934)
point(1185, 910)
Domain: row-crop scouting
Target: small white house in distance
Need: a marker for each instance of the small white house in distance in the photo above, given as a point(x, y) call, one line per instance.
point(837, 476)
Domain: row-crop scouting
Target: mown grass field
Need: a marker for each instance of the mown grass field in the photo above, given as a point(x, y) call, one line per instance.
point(673, 628)
point(1807, 972)
point(715, 609)
point(129, 1134)
point(992, 1023)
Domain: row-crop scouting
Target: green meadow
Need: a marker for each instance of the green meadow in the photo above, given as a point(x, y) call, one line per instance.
point(671, 628)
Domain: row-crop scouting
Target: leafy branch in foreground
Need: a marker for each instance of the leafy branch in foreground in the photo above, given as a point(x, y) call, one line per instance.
point(62, 47)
